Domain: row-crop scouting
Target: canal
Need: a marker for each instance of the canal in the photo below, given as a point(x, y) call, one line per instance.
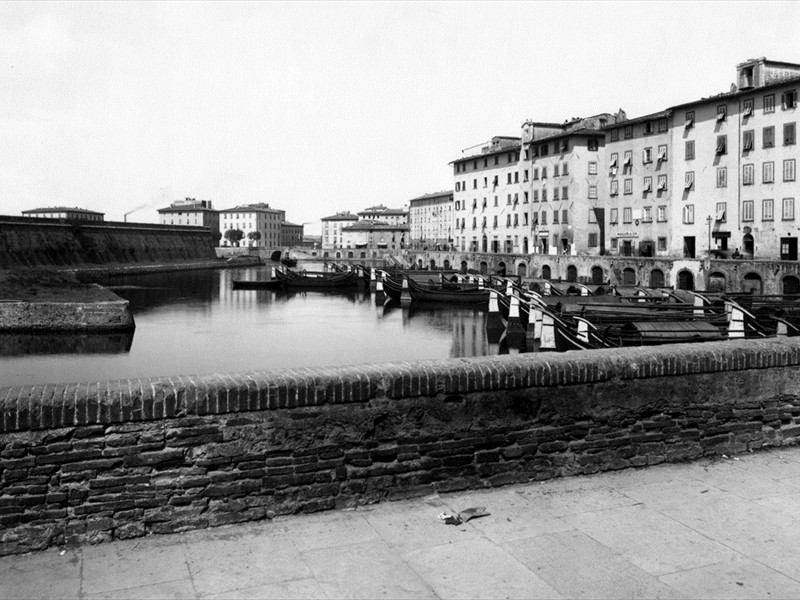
point(195, 323)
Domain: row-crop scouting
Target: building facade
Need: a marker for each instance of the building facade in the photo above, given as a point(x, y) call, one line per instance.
point(393, 216)
point(189, 211)
point(375, 235)
point(332, 228)
point(65, 212)
point(431, 221)
point(260, 224)
point(291, 234)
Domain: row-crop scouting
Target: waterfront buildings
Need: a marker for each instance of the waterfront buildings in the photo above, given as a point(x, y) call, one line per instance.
point(291, 234)
point(190, 211)
point(260, 224)
point(65, 212)
point(430, 219)
point(393, 216)
point(374, 235)
point(332, 228)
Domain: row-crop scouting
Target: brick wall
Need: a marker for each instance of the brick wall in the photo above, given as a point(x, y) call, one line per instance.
point(96, 461)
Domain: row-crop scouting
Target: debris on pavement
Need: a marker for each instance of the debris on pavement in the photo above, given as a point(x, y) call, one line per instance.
point(463, 516)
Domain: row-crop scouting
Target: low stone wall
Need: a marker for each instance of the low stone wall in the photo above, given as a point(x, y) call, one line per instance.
point(118, 459)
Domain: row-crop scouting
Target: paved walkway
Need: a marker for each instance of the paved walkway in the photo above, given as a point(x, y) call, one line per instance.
point(728, 528)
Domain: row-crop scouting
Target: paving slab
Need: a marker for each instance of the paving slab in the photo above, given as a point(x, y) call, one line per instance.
point(41, 575)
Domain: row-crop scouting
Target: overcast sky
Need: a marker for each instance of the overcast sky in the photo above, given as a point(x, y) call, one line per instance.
point(320, 107)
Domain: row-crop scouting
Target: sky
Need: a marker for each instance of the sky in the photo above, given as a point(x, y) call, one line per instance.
point(319, 107)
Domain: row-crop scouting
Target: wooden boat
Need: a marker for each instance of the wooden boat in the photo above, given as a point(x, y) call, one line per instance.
point(649, 333)
point(307, 279)
point(289, 262)
point(450, 293)
point(258, 284)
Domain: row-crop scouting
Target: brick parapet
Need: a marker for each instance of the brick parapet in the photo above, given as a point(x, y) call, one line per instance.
point(53, 406)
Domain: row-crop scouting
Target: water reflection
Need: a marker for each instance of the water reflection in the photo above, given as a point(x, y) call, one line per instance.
point(21, 344)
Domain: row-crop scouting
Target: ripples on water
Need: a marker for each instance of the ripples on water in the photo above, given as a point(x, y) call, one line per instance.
point(195, 323)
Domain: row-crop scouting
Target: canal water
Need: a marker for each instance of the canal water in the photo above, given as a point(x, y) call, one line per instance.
point(195, 323)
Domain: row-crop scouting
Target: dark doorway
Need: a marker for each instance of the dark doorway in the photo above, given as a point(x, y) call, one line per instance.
point(546, 272)
point(752, 284)
point(628, 277)
point(627, 248)
point(597, 275)
point(748, 246)
point(688, 249)
point(656, 278)
point(446, 265)
point(501, 269)
point(572, 274)
point(685, 280)
point(463, 266)
point(788, 248)
point(524, 245)
point(484, 267)
point(791, 285)
point(716, 282)
point(522, 269)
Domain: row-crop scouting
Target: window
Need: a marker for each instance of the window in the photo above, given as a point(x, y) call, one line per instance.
point(545, 149)
point(565, 193)
point(722, 144)
point(564, 145)
point(544, 195)
point(647, 214)
point(788, 209)
point(592, 192)
point(614, 135)
point(591, 144)
point(508, 178)
point(722, 177)
point(662, 183)
point(768, 172)
point(747, 140)
point(494, 222)
point(648, 127)
point(516, 176)
point(593, 240)
point(525, 198)
point(789, 169)
point(662, 244)
point(614, 215)
point(688, 214)
point(748, 174)
point(647, 155)
point(767, 213)
point(747, 108)
point(555, 194)
point(564, 170)
point(592, 168)
point(508, 200)
point(628, 158)
point(565, 216)
point(613, 243)
point(536, 174)
point(614, 187)
point(722, 209)
point(722, 112)
point(661, 214)
point(544, 172)
point(525, 218)
point(627, 215)
point(525, 175)
point(628, 189)
point(789, 100)
point(474, 184)
point(747, 210)
point(628, 132)
point(555, 170)
point(662, 124)
point(689, 150)
point(648, 185)
point(535, 195)
point(689, 120)
point(613, 164)
point(768, 137)
point(544, 218)
point(662, 152)
point(788, 134)
point(769, 103)
point(688, 182)
point(508, 220)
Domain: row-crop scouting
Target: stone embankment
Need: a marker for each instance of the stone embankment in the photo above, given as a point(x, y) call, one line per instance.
point(119, 459)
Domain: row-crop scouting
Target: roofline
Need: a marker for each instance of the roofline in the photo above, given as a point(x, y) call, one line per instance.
point(738, 93)
point(662, 114)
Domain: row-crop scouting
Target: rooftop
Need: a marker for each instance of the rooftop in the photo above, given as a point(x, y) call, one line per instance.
point(258, 207)
point(73, 209)
point(341, 216)
point(444, 194)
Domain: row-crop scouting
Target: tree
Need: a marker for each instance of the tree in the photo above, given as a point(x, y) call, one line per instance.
point(234, 236)
point(254, 236)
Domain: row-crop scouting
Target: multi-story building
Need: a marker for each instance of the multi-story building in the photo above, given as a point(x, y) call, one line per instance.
point(393, 216)
point(65, 212)
point(332, 228)
point(490, 211)
point(263, 222)
point(638, 185)
point(562, 166)
point(375, 235)
point(291, 234)
point(197, 213)
point(431, 220)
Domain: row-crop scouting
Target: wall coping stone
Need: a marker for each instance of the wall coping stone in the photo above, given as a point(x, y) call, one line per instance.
point(53, 406)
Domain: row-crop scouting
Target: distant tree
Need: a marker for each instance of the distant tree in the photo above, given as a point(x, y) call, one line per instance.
point(234, 236)
point(254, 236)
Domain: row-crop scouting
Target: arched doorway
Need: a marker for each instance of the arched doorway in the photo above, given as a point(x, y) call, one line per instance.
point(446, 265)
point(597, 275)
point(433, 264)
point(338, 255)
point(522, 269)
point(546, 272)
point(752, 284)
point(349, 255)
point(419, 264)
point(572, 273)
point(501, 269)
point(656, 278)
point(463, 267)
point(791, 285)
point(524, 245)
point(628, 276)
point(748, 246)
point(716, 282)
point(685, 280)
point(324, 255)
point(484, 267)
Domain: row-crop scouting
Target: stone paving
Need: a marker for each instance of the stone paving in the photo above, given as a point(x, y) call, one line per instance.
point(724, 528)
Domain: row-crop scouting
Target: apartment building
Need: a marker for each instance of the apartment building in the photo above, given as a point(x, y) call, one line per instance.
point(190, 211)
point(490, 209)
point(562, 166)
point(65, 212)
point(393, 216)
point(430, 218)
point(370, 234)
point(638, 185)
point(291, 234)
point(254, 219)
point(332, 228)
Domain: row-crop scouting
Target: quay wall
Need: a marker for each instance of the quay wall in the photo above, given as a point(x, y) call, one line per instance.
point(85, 463)
point(731, 275)
point(33, 242)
